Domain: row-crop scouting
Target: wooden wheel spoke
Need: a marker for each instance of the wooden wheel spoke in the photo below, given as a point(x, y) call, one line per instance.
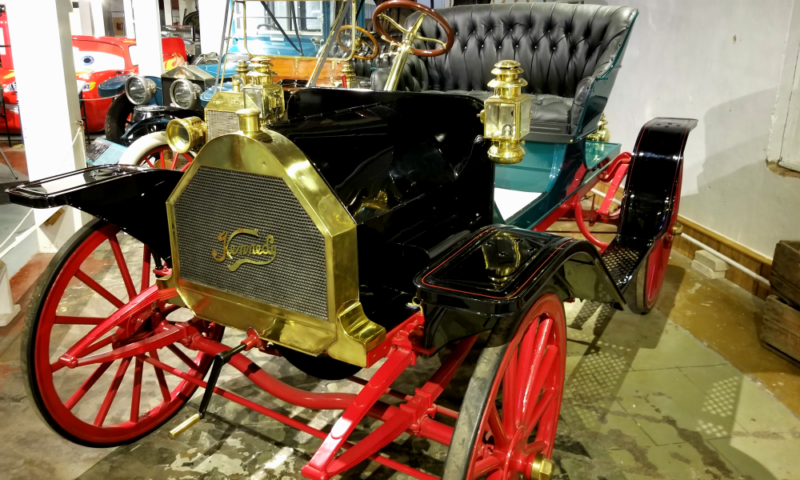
point(496, 475)
point(540, 378)
point(137, 389)
point(146, 267)
point(87, 385)
point(510, 396)
point(528, 353)
point(91, 283)
point(534, 447)
point(162, 382)
point(123, 266)
point(496, 427)
point(112, 392)
point(538, 350)
point(184, 358)
point(537, 412)
point(67, 320)
point(485, 466)
point(161, 159)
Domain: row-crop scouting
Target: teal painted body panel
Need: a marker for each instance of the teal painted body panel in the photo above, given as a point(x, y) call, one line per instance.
point(549, 169)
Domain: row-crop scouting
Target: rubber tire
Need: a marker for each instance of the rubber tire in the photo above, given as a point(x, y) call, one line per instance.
point(323, 367)
point(136, 150)
point(29, 331)
point(635, 293)
point(119, 111)
point(476, 397)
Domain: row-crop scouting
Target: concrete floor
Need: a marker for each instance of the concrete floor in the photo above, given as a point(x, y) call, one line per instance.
point(644, 399)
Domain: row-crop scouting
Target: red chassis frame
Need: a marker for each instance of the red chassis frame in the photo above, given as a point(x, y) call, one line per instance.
point(416, 415)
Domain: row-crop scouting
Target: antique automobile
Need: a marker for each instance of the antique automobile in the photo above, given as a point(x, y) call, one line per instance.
point(96, 60)
point(146, 104)
point(143, 106)
point(365, 229)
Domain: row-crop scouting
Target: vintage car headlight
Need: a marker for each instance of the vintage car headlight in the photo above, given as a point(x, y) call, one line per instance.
point(183, 134)
point(139, 89)
point(185, 94)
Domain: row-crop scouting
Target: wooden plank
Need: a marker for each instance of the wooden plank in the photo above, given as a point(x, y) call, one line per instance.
point(777, 352)
point(788, 292)
point(786, 262)
point(780, 327)
point(781, 315)
point(777, 337)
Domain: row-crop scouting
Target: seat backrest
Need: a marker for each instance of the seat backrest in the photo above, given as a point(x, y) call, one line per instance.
point(557, 44)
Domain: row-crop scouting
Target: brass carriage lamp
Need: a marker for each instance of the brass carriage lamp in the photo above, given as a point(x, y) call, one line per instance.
point(262, 73)
point(349, 75)
point(506, 115)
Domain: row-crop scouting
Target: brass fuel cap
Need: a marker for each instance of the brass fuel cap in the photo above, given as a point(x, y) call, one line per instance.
point(541, 468)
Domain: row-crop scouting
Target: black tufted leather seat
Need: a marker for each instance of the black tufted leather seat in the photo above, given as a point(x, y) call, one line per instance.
point(565, 50)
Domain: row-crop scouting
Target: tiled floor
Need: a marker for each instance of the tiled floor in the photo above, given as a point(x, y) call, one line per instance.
point(644, 399)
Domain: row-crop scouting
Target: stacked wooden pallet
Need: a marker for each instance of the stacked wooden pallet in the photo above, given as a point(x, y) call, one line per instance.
point(780, 324)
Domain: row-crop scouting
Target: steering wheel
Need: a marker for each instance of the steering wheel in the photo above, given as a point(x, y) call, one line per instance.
point(371, 43)
point(410, 34)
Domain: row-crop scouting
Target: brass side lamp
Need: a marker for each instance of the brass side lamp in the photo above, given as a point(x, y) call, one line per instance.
point(506, 115)
point(349, 75)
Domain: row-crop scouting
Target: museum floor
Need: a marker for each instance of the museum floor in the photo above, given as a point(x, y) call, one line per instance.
point(645, 398)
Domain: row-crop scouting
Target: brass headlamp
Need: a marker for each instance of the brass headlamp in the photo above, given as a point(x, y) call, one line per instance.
point(184, 134)
point(506, 115)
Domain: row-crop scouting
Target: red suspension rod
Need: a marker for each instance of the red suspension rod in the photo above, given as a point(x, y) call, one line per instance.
point(284, 419)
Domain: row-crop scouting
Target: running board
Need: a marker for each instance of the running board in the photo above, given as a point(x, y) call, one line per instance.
point(623, 262)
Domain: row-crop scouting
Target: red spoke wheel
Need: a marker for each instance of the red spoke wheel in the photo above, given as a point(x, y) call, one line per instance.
point(507, 424)
point(642, 294)
point(95, 274)
point(163, 157)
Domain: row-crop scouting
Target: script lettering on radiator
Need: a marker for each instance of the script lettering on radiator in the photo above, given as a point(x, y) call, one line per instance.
point(267, 249)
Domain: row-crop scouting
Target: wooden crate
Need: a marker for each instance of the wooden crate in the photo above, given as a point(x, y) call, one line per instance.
point(785, 276)
point(780, 327)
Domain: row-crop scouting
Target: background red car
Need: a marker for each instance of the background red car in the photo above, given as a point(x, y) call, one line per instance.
point(96, 60)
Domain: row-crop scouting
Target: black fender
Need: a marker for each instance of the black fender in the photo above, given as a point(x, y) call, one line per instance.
point(498, 272)
point(652, 195)
point(132, 198)
point(113, 86)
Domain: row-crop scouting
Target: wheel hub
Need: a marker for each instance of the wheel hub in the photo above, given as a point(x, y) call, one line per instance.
point(541, 468)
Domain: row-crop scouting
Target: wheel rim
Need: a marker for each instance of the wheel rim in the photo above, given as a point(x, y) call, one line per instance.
point(164, 158)
point(86, 402)
point(531, 373)
point(658, 259)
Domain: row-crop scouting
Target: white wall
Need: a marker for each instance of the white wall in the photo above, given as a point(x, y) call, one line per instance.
point(719, 61)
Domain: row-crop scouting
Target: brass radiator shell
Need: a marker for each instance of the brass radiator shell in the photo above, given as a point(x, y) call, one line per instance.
point(348, 335)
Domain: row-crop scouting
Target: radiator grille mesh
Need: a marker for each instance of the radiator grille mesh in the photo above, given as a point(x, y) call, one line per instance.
point(223, 201)
point(221, 123)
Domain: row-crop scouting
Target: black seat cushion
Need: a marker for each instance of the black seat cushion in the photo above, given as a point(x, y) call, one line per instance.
point(561, 47)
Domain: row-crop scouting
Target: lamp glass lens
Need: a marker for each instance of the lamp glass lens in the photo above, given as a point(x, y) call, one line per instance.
point(136, 90)
point(182, 94)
